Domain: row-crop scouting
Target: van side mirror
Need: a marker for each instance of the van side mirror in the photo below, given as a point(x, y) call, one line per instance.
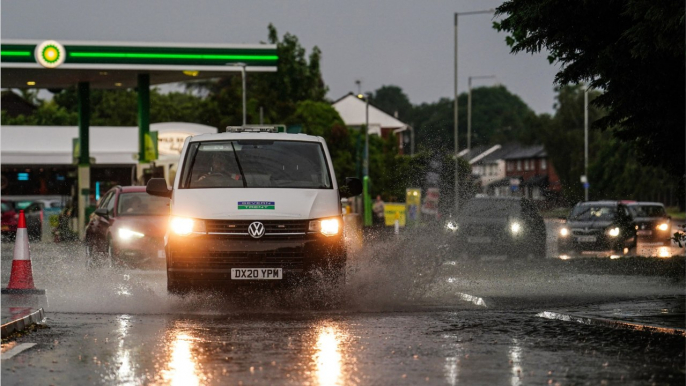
point(158, 187)
point(102, 212)
point(353, 187)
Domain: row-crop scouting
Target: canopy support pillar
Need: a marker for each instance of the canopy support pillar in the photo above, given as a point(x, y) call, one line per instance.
point(84, 170)
point(143, 90)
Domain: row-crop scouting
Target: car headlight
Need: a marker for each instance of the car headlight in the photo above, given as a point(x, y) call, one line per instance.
point(128, 234)
point(515, 228)
point(183, 226)
point(564, 232)
point(451, 226)
point(613, 232)
point(663, 227)
point(327, 227)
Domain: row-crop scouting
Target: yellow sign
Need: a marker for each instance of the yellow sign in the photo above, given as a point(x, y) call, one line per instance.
point(151, 146)
point(394, 211)
point(414, 197)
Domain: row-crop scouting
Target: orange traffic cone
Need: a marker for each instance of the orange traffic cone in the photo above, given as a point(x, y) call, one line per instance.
point(21, 277)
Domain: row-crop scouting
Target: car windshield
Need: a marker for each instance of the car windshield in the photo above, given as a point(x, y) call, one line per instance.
point(593, 213)
point(256, 164)
point(142, 204)
point(648, 211)
point(490, 208)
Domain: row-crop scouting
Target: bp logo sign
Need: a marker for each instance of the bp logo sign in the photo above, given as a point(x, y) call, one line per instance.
point(50, 54)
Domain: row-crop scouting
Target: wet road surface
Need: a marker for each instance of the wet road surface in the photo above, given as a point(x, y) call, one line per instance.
point(396, 321)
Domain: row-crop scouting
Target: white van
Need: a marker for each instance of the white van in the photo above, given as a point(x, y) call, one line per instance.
point(253, 204)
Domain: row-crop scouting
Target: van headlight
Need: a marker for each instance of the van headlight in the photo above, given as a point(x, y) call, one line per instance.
point(663, 227)
point(184, 226)
point(515, 227)
point(327, 227)
point(128, 234)
point(564, 232)
point(613, 232)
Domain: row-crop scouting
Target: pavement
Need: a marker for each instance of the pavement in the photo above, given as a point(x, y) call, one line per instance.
point(17, 319)
point(662, 315)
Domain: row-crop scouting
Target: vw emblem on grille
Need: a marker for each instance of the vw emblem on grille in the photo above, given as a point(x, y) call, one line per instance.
point(256, 229)
point(643, 226)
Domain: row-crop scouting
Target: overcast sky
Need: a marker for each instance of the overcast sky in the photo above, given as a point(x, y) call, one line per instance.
point(400, 42)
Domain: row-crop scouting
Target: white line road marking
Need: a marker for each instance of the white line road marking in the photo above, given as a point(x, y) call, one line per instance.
point(16, 350)
point(477, 301)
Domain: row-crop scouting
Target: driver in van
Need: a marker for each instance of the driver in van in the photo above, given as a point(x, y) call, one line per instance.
point(219, 174)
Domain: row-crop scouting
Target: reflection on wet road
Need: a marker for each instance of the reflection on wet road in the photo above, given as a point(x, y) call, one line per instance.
point(470, 322)
point(460, 347)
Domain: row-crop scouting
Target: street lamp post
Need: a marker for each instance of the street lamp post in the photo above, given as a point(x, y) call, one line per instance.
point(365, 163)
point(586, 184)
point(457, 184)
point(469, 108)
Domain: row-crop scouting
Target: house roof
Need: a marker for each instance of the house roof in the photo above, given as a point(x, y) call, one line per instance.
point(352, 111)
point(536, 151)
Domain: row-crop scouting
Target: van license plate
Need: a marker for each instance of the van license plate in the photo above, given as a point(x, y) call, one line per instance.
point(256, 273)
point(586, 239)
point(644, 233)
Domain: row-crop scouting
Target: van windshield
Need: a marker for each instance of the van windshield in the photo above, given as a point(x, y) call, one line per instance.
point(255, 164)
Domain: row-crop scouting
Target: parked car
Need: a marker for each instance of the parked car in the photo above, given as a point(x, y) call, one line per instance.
point(597, 228)
point(127, 228)
point(651, 222)
point(509, 226)
point(36, 211)
point(10, 217)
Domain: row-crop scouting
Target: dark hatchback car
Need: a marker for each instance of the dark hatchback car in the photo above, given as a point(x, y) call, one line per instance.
point(10, 217)
point(128, 228)
point(597, 228)
point(652, 224)
point(509, 226)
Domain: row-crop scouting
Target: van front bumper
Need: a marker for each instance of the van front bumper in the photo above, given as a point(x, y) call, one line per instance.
point(210, 258)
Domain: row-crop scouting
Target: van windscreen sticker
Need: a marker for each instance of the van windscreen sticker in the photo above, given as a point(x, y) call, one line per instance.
point(256, 205)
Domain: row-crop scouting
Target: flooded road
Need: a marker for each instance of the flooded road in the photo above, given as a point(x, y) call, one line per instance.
point(408, 314)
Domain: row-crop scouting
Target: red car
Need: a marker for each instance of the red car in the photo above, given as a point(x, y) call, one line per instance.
point(127, 228)
point(10, 217)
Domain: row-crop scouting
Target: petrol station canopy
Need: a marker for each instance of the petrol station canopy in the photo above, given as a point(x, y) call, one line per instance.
point(51, 64)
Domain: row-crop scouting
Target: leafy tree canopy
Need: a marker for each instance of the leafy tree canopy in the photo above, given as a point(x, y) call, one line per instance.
point(633, 50)
point(391, 100)
point(497, 116)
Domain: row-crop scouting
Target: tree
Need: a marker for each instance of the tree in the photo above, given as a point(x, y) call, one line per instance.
point(633, 50)
point(497, 116)
point(391, 100)
point(563, 138)
point(298, 78)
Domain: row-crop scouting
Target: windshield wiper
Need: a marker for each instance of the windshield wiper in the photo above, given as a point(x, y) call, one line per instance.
point(578, 215)
point(240, 169)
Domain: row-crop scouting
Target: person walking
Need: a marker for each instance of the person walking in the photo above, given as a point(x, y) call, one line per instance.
point(378, 210)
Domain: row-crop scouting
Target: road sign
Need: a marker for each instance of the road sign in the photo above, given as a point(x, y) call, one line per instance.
point(584, 179)
point(586, 185)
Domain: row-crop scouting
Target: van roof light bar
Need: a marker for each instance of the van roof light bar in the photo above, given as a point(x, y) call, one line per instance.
point(255, 129)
